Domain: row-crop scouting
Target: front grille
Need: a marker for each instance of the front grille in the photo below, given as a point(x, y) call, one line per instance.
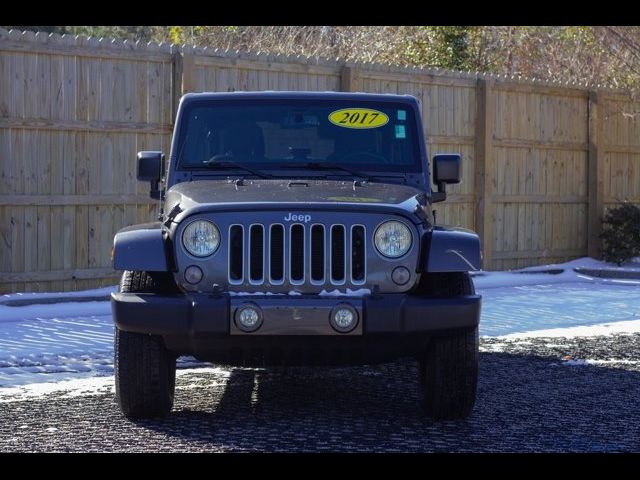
point(297, 254)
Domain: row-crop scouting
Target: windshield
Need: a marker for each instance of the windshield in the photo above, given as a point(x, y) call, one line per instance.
point(293, 133)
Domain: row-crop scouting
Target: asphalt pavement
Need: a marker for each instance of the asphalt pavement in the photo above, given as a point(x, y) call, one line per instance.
point(535, 395)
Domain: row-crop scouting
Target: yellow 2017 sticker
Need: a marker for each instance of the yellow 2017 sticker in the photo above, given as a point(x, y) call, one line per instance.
point(358, 118)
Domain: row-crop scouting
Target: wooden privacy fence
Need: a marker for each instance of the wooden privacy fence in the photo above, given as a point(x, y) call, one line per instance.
point(541, 161)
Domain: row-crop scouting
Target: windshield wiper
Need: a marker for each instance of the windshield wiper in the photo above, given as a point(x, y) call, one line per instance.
point(230, 164)
point(328, 166)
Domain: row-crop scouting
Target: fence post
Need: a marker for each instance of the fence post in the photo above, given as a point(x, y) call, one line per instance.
point(176, 85)
point(188, 73)
point(596, 176)
point(484, 171)
point(184, 70)
point(350, 80)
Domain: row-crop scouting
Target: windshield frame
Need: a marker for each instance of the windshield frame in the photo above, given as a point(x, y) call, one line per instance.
point(177, 173)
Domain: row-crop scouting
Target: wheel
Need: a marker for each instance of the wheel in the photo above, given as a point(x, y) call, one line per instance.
point(449, 375)
point(147, 282)
point(145, 372)
point(448, 370)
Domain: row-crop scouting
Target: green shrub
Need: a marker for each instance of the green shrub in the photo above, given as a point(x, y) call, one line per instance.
point(621, 233)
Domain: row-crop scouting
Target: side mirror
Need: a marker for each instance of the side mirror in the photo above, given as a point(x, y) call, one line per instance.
point(446, 169)
point(150, 168)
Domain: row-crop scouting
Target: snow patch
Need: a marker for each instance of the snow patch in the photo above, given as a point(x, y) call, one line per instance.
point(87, 386)
point(588, 361)
point(68, 388)
point(243, 294)
point(632, 265)
point(361, 292)
point(489, 279)
point(219, 372)
point(624, 327)
point(492, 347)
point(97, 292)
point(44, 311)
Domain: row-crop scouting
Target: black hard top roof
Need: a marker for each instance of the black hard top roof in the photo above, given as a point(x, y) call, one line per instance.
point(285, 95)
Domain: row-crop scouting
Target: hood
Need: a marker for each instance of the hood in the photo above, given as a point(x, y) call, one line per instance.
point(207, 195)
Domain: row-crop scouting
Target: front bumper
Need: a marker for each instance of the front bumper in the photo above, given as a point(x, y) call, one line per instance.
point(195, 314)
point(390, 326)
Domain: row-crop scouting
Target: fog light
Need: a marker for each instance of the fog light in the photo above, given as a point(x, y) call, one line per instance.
point(400, 275)
point(248, 318)
point(344, 318)
point(193, 274)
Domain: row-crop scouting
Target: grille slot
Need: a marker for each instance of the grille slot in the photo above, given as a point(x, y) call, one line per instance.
point(337, 254)
point(357, 254)
point(317, 253)
point(296, 252)
point(276, 254)
point(236, 254)
point(256, 253)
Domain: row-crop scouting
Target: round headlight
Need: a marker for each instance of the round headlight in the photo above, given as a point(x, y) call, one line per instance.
point(201, 238)
point(393, 239)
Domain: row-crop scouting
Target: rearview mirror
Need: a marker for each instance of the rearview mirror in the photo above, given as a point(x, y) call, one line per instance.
point(150, 167)
point(446, 169)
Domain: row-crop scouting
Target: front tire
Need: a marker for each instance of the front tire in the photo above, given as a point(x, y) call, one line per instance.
point(448, 369)
point(449, 375)
point(145, 372)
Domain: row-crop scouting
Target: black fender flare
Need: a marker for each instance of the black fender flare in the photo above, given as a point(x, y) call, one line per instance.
point(451, 249)
point(141, 247)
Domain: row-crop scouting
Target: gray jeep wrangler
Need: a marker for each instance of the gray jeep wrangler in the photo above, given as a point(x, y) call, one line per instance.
point(296, 229)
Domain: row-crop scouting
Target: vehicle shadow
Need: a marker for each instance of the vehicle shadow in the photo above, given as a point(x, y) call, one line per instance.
point(525, 403)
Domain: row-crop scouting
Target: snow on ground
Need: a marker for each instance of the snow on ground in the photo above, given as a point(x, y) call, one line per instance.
point(68, 388)
point(62, 343)
point(86, 386)
point(525, 308)
point(591, 361)
point(515, 278)
point(616, 328)
point(73, 341)
point(515, 302)
point(54, 310)
point(98, 292)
